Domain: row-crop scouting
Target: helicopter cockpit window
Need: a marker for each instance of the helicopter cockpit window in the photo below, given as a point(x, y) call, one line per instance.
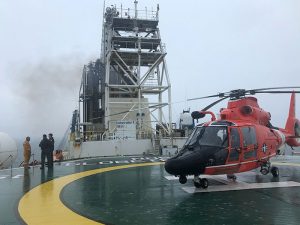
point(194, 136)
point(214, 136)
point(209, 136)
point(249, 136)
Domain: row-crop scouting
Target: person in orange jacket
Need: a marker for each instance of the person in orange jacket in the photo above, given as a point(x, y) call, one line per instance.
point(58, 156)
point(27, 152)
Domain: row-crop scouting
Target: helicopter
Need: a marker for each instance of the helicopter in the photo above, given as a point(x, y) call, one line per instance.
point(240, 140)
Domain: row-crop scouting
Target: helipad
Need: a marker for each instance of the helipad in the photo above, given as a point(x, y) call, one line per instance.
point(141, 192)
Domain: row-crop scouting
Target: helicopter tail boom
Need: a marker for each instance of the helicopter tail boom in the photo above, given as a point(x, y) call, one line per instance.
point(292, 126)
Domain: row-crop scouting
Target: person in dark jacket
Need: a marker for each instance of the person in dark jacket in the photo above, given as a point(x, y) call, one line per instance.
point(51, 149)
point(45, 147)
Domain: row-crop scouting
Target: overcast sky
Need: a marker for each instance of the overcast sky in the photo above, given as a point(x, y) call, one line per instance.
point(212, 46)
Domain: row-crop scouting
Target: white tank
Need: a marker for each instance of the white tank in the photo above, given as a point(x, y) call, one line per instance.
point(186, 120)
point(8, 150)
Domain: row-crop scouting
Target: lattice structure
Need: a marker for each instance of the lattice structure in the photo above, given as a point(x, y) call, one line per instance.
point(130, 81)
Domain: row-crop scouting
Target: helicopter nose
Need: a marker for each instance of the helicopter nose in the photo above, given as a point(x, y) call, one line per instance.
point(189, 163)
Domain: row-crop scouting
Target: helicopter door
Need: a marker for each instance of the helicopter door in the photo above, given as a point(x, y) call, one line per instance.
point(249, 143)
point(235, 145)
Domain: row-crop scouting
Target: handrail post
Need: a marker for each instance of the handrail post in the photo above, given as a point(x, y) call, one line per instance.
point(32, 160)
point(10, 165)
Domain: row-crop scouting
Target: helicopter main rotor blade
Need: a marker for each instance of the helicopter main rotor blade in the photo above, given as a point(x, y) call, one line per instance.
point(277, 92)
point(273, 88)
point(239, 93)
point(210, 96)
point(214, 103)
point(254, 91)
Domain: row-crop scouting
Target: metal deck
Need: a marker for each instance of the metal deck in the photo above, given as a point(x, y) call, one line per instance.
point(139, 191)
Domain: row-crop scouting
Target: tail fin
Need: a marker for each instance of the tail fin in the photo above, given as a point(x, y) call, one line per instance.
point(290, 123)
point(292, 126)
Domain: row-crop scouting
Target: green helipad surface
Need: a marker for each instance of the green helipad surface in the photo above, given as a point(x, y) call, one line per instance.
point(139, 191)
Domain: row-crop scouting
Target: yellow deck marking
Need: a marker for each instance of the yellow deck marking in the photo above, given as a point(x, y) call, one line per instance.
point(42, 205)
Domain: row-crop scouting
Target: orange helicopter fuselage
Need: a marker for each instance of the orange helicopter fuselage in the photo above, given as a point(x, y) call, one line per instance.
point(258, 140)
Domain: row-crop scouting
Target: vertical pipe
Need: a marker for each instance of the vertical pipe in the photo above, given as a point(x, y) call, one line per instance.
point(108, 30)
point(169, 97)
point(107, 109)
point(85, 110)
point(146, 13)
point(78, 120)
point(135, 9)
point(139, 83)
point(159, 83)
point(170, 110)
point(79, 110)
point(103, 35)
point(139, 116)
point(83, 91)
point(121, 11)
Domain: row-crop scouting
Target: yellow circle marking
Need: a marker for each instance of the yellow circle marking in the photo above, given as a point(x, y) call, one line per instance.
point(42, 204)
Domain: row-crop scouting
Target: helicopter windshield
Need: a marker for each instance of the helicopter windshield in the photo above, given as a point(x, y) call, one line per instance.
point(209, 136)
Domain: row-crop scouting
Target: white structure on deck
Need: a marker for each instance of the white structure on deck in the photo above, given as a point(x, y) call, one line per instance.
point(125, 96)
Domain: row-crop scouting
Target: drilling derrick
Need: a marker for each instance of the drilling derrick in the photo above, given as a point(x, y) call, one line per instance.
point(127, 92)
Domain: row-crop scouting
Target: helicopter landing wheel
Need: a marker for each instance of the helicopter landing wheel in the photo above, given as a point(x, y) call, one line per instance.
point(204, 183)
point(275, 171)
point(182, 179)
point(264, 170)
point(200, 183)
point(197, 182)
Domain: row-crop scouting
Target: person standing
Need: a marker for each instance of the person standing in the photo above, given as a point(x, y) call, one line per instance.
point(51, 149)
point(45, 146)
point(27, 152)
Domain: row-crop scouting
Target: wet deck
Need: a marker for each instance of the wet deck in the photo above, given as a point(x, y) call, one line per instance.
point(133, 191)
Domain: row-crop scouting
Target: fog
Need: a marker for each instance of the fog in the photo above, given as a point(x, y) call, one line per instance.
point(212, 46)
